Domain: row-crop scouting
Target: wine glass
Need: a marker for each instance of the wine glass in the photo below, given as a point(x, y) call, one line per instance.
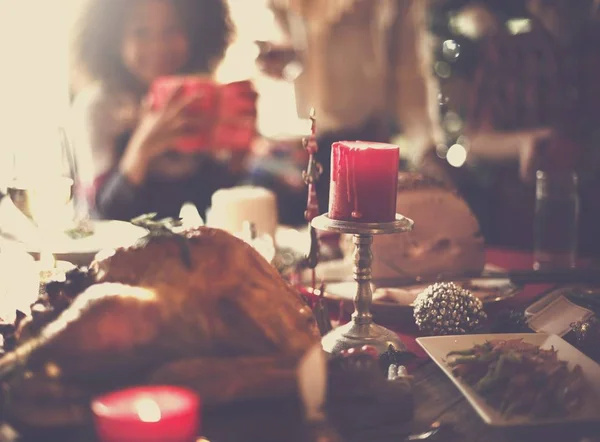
point(42, 181)
point(279, 60)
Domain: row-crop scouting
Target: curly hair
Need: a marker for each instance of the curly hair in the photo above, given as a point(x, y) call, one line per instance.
point(99, 32)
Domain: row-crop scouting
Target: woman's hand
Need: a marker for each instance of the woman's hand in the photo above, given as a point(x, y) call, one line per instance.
point(156, 132)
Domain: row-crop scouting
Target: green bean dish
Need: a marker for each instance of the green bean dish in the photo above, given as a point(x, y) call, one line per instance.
point(518, 378)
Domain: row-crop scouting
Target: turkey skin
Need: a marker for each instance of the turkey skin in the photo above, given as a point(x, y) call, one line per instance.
point(200, 309)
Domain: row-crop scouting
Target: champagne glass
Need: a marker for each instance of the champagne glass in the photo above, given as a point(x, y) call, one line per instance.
point(280, 60)
point(82, 224)
point(42, 182)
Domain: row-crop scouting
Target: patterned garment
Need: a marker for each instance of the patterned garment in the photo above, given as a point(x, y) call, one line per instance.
point(113, 196)
point(528, 81)
point(531, 80)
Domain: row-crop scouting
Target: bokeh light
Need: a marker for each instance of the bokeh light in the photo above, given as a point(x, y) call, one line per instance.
point(450, 50)
point(457, 155)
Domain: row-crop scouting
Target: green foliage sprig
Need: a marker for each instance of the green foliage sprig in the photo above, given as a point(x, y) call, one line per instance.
point(165, 228)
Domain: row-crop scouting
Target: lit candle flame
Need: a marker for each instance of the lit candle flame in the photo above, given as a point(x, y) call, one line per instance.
point(148, 410)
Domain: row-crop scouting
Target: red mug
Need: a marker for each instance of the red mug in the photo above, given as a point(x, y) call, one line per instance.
point(234, 136)
point(236, 128)
point(232, 106)
point(206, 105)
point(238, 99)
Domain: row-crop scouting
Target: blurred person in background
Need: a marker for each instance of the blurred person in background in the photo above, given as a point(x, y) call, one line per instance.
point(533, 106)
point(122, 47)
point(458, 30)
point(362, 65)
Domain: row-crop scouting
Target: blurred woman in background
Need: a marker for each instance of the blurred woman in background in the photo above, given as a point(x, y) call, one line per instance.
point(122, 47)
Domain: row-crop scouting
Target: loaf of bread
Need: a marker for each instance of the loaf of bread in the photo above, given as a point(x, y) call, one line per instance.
point(446, 239)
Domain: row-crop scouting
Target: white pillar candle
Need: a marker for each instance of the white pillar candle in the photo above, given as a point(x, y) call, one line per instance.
point(232, 207)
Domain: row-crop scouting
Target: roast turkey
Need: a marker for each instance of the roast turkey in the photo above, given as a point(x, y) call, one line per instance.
point(200, 309)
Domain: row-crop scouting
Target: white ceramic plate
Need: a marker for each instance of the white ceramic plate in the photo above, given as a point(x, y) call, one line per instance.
point(488, 290)
point(346, 291)
point(438, 348)
point(107, 235)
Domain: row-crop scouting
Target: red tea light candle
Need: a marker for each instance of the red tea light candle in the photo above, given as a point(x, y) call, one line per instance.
point(147, 414)
point(364, 181)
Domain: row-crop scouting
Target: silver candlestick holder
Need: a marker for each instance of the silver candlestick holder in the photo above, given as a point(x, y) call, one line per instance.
point(361, 330)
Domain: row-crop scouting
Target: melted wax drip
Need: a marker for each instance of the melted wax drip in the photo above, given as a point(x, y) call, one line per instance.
point(352, 189)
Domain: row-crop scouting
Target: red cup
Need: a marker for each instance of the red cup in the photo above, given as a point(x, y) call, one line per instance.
point(238, 99)
point(236, 128)
point(232, 106)
point(206, 106)
point(238, 136)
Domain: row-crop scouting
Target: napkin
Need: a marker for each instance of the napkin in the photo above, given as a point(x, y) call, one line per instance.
point(312, 383)
point(15, 225)
point(558, 316)
point(19, 281)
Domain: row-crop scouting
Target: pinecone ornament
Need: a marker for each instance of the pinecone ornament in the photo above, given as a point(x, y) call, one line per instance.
point(447, 309)
point(587, 334)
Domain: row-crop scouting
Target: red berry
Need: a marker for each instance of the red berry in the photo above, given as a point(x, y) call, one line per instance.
point(348, 353)
point(370, 350)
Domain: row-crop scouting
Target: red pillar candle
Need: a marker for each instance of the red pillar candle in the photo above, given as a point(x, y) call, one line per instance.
point(364, 181)
point(147, 414)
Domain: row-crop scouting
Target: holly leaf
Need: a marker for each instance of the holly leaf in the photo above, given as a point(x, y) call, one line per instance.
point(165, 228)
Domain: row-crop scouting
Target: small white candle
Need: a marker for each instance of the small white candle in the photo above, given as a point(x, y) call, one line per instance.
point(232, 207)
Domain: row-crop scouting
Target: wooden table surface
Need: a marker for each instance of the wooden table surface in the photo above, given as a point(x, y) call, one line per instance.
point(437, 399)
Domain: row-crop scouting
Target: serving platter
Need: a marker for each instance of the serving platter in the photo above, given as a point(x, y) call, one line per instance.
point(438, 348)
